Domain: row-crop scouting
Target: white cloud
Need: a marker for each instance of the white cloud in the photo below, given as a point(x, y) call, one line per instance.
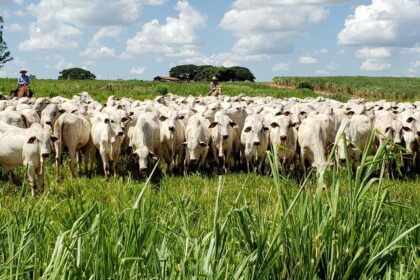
point(137, 70)
point(375, 65)
point(321, 51)
point(414, 66)
point(63, 64)
point(383, 23)
point(375, 58)
point(14, 27)
point(378, 53)
point(332, 66)
point(322, 72)
point(58, 24)
point(281, 67)
point(19, 2)
point(260, 29)
point(168, 38)
point(96, 49)
point(307, 59)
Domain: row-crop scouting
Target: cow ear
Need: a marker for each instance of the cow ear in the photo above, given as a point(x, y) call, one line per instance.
point(54, 138)
point(162, 118)
point(410, 119)
point(106, 120)
point(153, 156)
point(387, 129)
point(349, 113)
point(203, 144)
point(274, 125)
point(126, 119)
point(213, 124)
point(31, 140)
point(233, 124)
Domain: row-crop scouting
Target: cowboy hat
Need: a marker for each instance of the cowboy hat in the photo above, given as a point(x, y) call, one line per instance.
point(214, 78)
point(23, 70)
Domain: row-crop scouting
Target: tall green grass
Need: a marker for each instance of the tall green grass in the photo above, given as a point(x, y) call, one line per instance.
point(337, 224)
point(390, 88)
point(101, 89)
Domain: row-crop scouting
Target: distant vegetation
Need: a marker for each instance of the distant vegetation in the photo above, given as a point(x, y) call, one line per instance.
point(76, 74)
point(368, 87)
point(205, 73)
point(4, 53)
point(147, 90)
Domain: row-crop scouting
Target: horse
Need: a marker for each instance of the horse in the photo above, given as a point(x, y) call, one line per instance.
point(23, 91)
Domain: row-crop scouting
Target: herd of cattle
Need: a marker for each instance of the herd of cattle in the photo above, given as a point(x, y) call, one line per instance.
point(196, 132)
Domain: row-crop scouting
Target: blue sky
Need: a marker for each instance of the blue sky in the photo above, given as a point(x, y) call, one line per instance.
point(139, 39)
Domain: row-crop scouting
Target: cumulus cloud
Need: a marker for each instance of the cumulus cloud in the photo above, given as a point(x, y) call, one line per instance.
point(58, 24)
point(307, 59)
point(281, 67)
point(168, 38)
point(375, 65)
point(269, 26)
point(378, 53)
point(383, 23)
point(14, 27)
point(137, 70)
point(414, 66)
point(96, 49)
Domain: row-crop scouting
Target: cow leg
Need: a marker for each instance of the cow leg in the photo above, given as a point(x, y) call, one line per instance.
point(40, 181)
point(73, 159)
point(31, 178)
point(105, 162)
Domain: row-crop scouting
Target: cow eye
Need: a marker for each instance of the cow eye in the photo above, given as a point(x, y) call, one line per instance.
point(302, 113)
point(112, 121)
point(248, 129)
point(406, 128)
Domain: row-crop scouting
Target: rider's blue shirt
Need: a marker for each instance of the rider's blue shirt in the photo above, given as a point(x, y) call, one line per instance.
point(24, 79)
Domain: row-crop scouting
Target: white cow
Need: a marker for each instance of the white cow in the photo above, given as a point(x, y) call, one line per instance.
point(145, 140)
point(356, 131)
point(225, 140)
point(254, 142)
point(26, 146)
point(73, 132)
point(172, 134)
point(283, 136)
point(197, 142)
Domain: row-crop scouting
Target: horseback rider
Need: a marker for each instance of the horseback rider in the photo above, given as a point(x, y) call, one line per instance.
point(23, 79)
point(214, 86)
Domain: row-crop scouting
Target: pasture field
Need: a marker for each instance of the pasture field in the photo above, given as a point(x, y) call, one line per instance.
point(390, 88)
point(343, 225)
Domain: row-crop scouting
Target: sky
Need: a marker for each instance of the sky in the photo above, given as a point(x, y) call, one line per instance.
point(140, 39)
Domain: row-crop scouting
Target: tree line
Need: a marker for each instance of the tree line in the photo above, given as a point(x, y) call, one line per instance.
point(203, 73)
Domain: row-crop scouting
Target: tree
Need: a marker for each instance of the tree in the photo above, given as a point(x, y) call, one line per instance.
point(206, 74)
point(242, 74)
point(187, 71)
point(76, 74)
point(4, 53)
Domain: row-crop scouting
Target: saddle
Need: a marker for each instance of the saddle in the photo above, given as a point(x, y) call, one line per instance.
point(24, 91)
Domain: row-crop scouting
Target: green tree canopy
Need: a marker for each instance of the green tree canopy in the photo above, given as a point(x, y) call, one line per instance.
point(234, 74)
point(76, 74)
point(187, 71)
point(4, 53)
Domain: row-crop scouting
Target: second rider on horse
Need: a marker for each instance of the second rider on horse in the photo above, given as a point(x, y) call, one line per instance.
point(23, 81)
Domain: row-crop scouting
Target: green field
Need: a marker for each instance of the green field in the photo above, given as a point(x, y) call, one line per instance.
point(390, 88)
point(342, 225)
